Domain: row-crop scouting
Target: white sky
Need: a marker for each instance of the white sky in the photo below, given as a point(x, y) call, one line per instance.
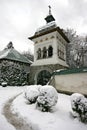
point(19, 19)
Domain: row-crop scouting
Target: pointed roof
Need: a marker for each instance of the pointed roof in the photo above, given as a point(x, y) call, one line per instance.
point(51, 26)
point(49, 17)
point(9, 53)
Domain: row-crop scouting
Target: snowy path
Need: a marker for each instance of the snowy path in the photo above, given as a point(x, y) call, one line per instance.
point(13, 119)
point(8, 120)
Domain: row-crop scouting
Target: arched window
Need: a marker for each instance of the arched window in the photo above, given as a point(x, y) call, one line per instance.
point(44, 52)
point(50, 51)
point(39, 53)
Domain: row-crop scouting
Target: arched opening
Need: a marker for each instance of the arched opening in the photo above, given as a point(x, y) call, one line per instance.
point(39, 53)
point(44, 52)
point(50, 51)
point(43, 77)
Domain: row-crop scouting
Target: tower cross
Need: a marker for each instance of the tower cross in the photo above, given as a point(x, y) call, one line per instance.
point(49, 10)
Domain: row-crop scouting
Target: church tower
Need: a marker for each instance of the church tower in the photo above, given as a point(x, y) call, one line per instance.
point(49, 51)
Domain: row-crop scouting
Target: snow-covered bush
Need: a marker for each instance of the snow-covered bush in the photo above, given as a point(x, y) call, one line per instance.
point(32, 93)
point(79, 106)
point(4, 84)
point(13, 73)
point(48, 97)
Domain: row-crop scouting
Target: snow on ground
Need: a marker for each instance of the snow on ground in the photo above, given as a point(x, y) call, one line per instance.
point(5, 94)
point(60, 118)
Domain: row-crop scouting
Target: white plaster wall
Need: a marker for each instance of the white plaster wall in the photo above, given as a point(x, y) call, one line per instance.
point(46, 43)
point(72, 83)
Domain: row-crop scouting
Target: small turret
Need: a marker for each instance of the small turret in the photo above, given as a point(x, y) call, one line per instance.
point(50, 17)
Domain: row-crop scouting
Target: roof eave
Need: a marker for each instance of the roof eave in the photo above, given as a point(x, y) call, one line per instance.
point(4, 58)
point(49, 31)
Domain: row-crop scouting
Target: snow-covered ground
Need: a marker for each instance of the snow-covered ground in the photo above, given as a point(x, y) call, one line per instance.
point(5, 94)
point(60, 118)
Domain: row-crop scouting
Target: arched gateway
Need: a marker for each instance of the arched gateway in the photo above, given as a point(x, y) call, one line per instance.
point(43, 77)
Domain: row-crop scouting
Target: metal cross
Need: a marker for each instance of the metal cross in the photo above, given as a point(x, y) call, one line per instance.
point(49, 9)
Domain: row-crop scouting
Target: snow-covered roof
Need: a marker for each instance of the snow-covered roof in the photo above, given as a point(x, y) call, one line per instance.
point(70, 71)
point(12, 54)
point(46, 27)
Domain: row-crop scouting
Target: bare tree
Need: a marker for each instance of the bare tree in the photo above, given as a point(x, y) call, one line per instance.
point(28, 55)
point(82, 50)
point(76, 49)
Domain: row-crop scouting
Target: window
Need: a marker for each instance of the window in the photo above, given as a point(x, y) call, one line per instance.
point(39, 53)
point(61, 53)
point(50, 51)
point(44, 52)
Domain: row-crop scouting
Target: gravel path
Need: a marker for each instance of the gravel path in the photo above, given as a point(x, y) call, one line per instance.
point(14, 119)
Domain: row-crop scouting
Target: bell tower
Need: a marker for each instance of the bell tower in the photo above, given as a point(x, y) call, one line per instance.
point(49, 51)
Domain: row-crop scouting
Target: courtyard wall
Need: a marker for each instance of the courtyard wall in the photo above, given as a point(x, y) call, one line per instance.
point(70, 81)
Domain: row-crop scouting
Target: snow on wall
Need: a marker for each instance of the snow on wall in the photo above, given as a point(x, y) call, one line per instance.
point(4, 54)
point(72, 83)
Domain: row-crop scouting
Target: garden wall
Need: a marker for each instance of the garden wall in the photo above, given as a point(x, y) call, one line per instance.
point(74, 81)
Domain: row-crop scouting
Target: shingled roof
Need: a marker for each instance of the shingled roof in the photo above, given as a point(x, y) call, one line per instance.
point(9, 53)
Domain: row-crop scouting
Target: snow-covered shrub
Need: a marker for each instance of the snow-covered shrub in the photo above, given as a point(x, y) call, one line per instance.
point(13, 73)
point(79, 106)
point(4, 84)
point(48, 97)
point(32, 93)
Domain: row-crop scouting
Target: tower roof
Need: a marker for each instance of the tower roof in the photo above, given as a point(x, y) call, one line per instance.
point(47, 31)
point(51, 26)
point(49, 17)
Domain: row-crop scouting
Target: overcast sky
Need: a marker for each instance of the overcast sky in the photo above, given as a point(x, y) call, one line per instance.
point(19, 19)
